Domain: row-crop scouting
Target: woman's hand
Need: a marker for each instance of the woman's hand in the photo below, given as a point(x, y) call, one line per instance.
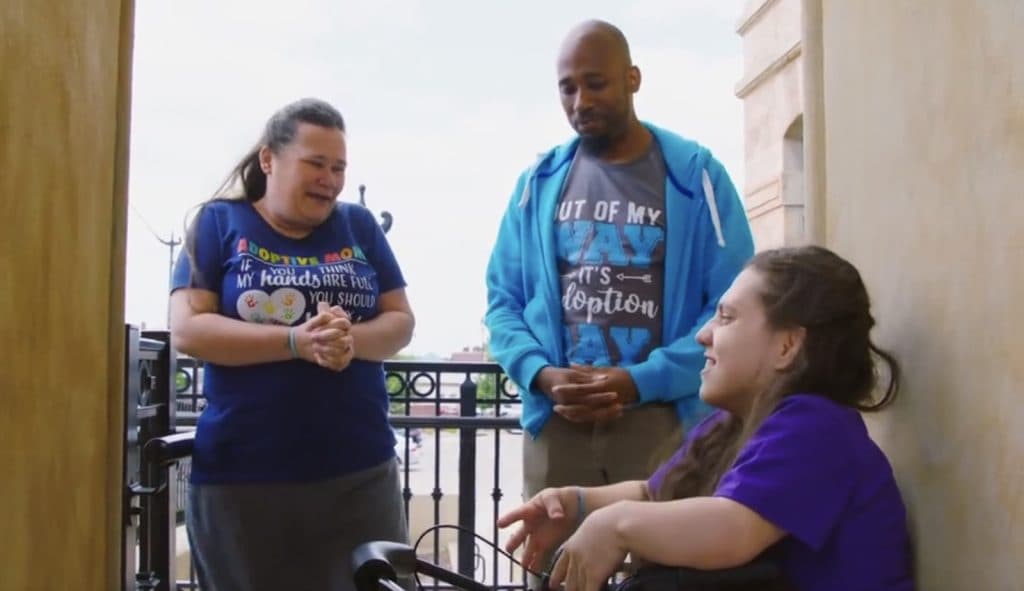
point(335, 353)
point(546, 520)
point(593, 553)
point(325, 339)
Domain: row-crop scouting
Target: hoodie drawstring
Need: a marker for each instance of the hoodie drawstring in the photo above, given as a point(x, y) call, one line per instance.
point(709, 196)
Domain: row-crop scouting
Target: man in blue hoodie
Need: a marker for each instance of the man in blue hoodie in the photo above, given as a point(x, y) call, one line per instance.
point(612, 254)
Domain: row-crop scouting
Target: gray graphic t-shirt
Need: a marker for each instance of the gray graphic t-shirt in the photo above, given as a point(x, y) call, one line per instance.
point(610, 226)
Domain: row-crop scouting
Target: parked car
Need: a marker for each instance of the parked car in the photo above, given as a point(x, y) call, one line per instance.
point(415, 443)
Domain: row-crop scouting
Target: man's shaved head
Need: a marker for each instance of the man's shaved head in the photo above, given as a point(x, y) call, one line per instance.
point(596, 82)
point(598, 33)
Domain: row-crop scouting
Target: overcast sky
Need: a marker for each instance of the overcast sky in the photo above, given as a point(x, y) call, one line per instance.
point(445, 102)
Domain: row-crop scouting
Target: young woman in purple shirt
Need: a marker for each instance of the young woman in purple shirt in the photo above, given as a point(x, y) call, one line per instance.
point(783, 470)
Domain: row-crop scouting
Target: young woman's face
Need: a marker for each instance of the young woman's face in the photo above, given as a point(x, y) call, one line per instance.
point(743, 353)
point(306, 176)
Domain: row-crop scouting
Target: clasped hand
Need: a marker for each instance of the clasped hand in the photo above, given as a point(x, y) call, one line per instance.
point(586, 393)
point(325, 339)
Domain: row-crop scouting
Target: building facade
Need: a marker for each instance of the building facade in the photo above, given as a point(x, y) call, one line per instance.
point(772, 93)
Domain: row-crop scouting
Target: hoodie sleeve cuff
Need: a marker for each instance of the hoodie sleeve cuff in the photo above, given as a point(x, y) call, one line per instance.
point(648, 382)
point(527, 371)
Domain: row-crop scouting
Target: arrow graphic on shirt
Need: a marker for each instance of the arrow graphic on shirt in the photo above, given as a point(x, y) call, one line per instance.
point(645, 278)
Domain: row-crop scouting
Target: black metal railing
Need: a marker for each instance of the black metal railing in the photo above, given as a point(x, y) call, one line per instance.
point(477, 397)
point(437, 408)
point(149, 497)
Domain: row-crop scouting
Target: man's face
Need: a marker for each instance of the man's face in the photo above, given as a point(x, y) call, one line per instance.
point(596, 88)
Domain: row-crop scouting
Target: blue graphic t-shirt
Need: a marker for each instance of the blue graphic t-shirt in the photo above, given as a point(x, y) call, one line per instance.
point(611, 259)
point(290, 421)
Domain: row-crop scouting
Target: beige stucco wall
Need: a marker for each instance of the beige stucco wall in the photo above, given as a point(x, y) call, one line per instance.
point(64, 87)
point(924, 162)
point(771, 91)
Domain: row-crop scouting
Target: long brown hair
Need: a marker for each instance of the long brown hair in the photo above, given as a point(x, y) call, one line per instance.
point(814, 288)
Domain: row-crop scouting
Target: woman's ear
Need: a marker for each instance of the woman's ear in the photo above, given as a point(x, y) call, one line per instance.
point(265, 158)
point(792, 342)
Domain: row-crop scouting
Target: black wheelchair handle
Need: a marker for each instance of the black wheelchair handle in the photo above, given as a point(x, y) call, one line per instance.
point(376, 561)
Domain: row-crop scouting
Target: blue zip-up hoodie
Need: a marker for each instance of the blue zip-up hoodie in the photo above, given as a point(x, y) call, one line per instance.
point(708, 241)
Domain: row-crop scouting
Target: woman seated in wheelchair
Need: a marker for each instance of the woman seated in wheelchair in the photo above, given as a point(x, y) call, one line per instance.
point(783, 470)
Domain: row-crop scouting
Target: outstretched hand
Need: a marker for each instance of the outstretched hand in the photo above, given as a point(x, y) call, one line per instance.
point(545, 521)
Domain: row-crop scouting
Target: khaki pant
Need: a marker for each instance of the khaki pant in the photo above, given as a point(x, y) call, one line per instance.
point(595, 454)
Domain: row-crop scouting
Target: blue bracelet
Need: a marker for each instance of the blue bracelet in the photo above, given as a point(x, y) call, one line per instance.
point(581, 507)
point(291, 343)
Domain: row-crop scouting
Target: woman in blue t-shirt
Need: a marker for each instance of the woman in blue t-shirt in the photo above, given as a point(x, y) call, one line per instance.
point(784, 469)
point(292, 300)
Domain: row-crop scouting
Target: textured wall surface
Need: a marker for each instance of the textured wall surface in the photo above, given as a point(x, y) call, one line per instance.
point(65, 72)
point(924, 123)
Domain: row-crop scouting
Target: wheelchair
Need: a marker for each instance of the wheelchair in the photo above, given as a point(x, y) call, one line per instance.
point(377, 566)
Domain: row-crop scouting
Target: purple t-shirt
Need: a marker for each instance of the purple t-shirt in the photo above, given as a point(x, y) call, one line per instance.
point(812, 470)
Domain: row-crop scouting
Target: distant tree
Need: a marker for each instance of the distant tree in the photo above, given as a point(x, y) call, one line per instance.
point(393, 385)
point(486, 384)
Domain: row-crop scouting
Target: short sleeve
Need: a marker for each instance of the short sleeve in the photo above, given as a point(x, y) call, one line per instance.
point(206, 254)
point(797, 471)
point(380, 255)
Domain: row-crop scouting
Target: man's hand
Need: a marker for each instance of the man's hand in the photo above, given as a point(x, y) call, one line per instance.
point(612, 379)
point(587, 394)
point(581, 406)
point(608, 391)
point(551, 377)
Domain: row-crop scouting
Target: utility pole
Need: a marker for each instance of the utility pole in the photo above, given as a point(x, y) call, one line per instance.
point(171, 244)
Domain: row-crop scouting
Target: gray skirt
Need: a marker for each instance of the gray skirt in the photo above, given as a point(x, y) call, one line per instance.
point(291, 536)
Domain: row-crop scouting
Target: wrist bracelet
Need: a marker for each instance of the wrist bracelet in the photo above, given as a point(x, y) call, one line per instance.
point(291, 343)
point(581, 507)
